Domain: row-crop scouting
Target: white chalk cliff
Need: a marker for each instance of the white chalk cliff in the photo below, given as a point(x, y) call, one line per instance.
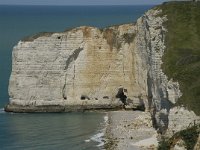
point(91, 68)
point(85, 66)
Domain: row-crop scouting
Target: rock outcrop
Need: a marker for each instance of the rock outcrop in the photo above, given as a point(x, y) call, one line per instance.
point(150, 45)
point(162, 92)
point(83, 68)
point(180, 119)
point(90, 68)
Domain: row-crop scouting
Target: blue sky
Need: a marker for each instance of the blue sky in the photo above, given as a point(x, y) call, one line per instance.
point(80, 2)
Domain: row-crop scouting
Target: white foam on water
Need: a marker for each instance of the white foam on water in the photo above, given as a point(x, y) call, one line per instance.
point(106, 118)
point(99, 137)
point(2, 111)
point(88, 140)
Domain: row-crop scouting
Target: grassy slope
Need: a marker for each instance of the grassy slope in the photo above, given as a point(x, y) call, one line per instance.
point(182, 54)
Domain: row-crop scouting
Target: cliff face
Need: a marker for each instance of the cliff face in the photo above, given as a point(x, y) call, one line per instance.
point(163, 92)
point(81, 67)
point(89, 68)
point(150, 44)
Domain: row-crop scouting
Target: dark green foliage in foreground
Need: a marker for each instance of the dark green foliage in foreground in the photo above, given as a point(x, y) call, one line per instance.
point(182, 54)
point(164, 145)
point(189, 136)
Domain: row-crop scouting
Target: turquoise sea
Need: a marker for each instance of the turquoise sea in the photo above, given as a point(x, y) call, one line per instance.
point(70, 131)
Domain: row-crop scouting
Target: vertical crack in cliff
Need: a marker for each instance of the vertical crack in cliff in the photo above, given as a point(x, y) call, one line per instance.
point(64, 88)
point(151, 104)
point(71, 58)
point(74, 73)
point(123, 68)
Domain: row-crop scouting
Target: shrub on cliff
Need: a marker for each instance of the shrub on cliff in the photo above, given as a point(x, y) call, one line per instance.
point(189, 136)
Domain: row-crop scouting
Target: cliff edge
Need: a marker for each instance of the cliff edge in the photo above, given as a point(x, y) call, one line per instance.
point(151, 65)
point(83, 68)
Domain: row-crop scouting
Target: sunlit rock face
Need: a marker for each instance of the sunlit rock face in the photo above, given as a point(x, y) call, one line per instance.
point(94, 68)
point(91, 68)
point(85, 66)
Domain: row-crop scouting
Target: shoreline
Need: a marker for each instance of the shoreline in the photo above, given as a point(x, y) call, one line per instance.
point(121, 129)
point(129, 130)
point(99, 137)
point(60, 108)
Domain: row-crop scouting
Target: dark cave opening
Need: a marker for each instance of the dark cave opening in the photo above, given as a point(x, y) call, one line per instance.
point(121, 95)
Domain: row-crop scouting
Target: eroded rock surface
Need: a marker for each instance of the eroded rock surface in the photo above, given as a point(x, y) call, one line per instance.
point(180, 119)
point(88, 68)
point(112, 68)
point(158, 92)
point(84, 67)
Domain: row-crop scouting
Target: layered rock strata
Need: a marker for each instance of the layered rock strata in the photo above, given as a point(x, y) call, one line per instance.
point(90, 68)
point(84, 68)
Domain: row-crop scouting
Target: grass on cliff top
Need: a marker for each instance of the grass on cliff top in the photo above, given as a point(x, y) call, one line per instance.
point(182, 54)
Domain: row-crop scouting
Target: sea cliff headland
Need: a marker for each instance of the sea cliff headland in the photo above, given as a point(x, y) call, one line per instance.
point(150, 65)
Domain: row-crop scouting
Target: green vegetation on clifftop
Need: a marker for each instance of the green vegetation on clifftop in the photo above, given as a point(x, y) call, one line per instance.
point(189, 136)
point(182, 54)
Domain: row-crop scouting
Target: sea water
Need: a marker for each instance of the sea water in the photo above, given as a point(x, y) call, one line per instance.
point(73, 131)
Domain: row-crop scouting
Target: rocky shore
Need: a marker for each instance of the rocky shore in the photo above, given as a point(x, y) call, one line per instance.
point(133, 130)
point(130, 130)
point(60, 108)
